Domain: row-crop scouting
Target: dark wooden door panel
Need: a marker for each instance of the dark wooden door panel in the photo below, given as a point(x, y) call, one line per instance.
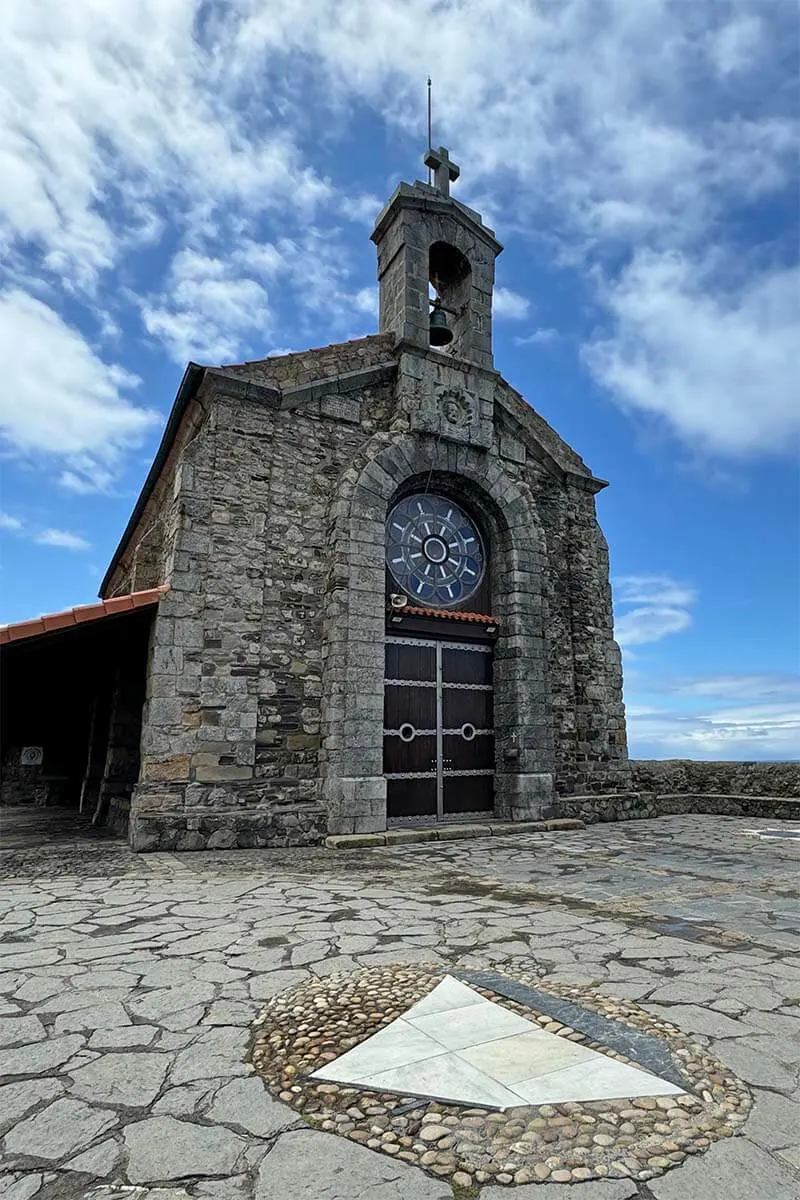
point(410, 662)
point(460, 705)
point(468, 794)
point(416, 755)
point(414, 705)
point(466, 666)
point(476, 754)
point(438, 741)
point(411, 798)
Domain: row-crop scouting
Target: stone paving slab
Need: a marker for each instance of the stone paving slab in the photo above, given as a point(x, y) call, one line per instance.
point(611, 1189)
point(127, 985)
point(732, 1170)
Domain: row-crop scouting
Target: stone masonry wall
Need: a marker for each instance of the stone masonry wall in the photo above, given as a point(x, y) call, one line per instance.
point(666, 787)
point(231, 748)
point(147, 558)
point(675, 776)
point(232, 721)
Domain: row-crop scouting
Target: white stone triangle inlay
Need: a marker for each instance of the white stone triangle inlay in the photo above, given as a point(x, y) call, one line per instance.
point(456, 1046)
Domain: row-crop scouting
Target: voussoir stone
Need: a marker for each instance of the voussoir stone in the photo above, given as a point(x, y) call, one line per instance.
point(163, 1148)
point(307, 1165)
point(62, 1128)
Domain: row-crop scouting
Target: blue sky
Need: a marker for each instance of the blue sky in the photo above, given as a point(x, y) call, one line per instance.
point(187, 179)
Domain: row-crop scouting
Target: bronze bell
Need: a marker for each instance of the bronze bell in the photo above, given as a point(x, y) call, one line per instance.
point(440, 332)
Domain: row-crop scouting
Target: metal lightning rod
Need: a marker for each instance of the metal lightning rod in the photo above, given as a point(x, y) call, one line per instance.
point(430, 142)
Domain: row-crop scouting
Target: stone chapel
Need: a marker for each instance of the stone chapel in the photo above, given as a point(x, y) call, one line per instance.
point(363, 586)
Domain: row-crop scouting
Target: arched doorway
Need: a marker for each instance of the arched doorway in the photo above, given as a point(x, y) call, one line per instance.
point(438, 735)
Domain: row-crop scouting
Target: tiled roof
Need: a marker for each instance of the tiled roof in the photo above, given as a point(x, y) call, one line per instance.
point(479, 618)
point(84, 613)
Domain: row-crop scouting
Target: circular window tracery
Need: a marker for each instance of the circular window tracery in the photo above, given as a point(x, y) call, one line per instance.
point(433, 550)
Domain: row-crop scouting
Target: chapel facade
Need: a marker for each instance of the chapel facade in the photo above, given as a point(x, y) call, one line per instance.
point(384, 594)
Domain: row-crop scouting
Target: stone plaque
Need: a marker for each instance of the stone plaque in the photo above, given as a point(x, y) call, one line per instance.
point(31, 756)
point(512, 449)
point(341, 408)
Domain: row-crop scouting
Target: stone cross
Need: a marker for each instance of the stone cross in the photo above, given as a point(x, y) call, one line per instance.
point(446, 171)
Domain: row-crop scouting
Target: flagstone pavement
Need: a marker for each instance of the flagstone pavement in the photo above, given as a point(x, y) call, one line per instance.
point(128, 985)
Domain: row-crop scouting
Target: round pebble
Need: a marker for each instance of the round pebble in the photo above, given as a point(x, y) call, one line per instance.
point(572, 1142)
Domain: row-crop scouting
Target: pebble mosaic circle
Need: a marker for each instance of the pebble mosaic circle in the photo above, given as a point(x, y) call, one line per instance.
point(433, 550)
point(302, 1029)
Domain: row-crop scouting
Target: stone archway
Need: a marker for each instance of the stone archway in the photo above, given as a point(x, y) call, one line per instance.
point(354, 788)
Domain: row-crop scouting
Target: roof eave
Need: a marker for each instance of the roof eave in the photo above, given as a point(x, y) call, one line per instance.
point(192, 377)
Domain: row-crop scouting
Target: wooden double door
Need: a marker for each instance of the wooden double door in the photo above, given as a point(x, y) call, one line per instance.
point(438, 734)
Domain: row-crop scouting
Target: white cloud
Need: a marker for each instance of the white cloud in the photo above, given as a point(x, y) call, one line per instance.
point(510, 304)
point(736, 46)
point(662, 609)
point(769, 686)
point(130, 108)
point(652, 589)
point(127, 124)
point(540, 337)
point(208, 309)
point(725, 716)
point(63, 539)
point(650, 624)
point(720, 368)
point(59, 399)
point(13, 524)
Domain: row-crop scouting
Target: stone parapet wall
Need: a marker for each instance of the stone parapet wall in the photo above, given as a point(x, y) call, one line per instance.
point(674, 776)
point(193, 829)
point(631, 806)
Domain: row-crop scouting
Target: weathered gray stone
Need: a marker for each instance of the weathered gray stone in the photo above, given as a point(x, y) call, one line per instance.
point(599, 1189)
point(153, 1006)
point(161, 1148)
point(126, 1035)
point(219, 1052)
point(39, 1057)
point(100, 1160)
point(130, 1080)
point(756, 1066)
point(20, 1187)
point(100, 1016)
point(731, 1170)
point(18, 1098)
point(20, 1031)
point(246, 1104)
point(63, 1127)
point(314, 1166)
point(699, 1020)
point(229, 1012)
point(773, 1121)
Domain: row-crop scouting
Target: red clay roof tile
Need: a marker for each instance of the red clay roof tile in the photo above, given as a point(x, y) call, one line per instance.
point(20, 630)
point(481, 618)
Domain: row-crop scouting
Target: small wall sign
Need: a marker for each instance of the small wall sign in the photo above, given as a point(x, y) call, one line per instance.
point(31, 756)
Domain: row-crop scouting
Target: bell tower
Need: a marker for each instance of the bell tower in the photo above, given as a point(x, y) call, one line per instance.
point(436, 267)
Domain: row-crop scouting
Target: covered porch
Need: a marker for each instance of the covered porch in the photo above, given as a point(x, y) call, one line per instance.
point(72, 688)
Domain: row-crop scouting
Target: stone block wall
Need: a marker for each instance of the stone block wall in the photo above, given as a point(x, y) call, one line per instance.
point(234, 719)
point(677, 776)
point(146, 560)
point(230, 750)
point(672, 786)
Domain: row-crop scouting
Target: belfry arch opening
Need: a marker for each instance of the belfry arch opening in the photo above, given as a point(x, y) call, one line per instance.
point(450, 282)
